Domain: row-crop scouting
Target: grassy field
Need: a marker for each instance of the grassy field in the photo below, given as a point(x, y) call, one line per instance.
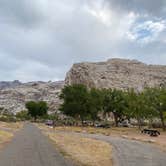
point(84, 151)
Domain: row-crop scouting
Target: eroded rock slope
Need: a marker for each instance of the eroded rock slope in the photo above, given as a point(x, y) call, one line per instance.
point(13, 98)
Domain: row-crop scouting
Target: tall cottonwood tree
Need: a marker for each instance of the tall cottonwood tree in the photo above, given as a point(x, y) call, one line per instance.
point(156, 98)
point(114, 101)
point(75, 101)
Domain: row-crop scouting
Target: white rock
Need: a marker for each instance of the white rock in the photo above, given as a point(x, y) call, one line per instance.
point(117, 73)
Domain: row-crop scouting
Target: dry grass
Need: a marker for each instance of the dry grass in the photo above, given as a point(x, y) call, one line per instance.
point(5, 137)
point(11, 126)
point(7, 131)
point(114, 131)
point(82, 150)
point(127, 133)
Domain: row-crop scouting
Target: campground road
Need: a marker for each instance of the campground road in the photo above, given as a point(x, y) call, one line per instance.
point(30, 147)
point(132, 153)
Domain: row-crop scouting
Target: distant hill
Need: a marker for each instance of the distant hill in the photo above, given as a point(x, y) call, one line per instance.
point(14, 95)
point(7, 84)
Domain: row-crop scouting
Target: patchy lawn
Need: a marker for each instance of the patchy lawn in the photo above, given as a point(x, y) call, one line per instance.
point(84, 151)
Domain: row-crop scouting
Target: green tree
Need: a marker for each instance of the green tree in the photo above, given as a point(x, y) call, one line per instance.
point(137, 106)
point(37, 109)
point(42, 108)
point(75, 103)
point(157, 101)
point(95, 104)
point(114, 101)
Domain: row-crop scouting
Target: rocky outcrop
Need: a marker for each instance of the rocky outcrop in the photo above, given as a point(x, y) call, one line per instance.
point(117, 73)
point(13, 98)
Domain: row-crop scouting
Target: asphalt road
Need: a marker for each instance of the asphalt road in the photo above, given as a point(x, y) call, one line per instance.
point(133, 153)
point(30, 148)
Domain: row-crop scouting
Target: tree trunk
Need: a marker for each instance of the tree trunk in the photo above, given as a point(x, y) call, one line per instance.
point(162, 120)
point(93, 123)
point(139, 123)
point(116, 120)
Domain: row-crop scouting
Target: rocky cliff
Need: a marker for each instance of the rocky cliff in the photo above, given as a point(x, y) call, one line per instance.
point(13, 97)
point(117, 73)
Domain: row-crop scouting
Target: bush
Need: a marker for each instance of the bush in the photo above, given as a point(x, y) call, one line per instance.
point(23, 115)
point(7, 119)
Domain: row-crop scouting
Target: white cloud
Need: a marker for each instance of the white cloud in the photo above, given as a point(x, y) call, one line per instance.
point(41, 39)
point(147, 31)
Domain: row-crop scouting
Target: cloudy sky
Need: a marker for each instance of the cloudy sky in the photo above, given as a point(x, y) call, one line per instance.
point(41, 39)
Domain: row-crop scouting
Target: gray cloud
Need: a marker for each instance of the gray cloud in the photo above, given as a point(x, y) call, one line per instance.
point(41, 39)
point(20, 13)
point(150, 7)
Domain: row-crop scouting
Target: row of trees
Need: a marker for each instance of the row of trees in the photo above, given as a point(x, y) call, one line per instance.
point(83, 103)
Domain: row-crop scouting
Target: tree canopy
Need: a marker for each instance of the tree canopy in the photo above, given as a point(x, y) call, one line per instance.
point(75, 101)
point(82, 103)
point(37, 109)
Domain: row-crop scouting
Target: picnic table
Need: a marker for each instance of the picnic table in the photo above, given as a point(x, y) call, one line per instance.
point(151, 132)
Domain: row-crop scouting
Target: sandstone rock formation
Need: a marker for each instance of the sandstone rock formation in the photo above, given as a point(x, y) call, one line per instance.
point(13, 98)
point(117, 73)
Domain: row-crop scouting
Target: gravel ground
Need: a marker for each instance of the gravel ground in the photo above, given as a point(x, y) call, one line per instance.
point(30, 148)
point(132, 153)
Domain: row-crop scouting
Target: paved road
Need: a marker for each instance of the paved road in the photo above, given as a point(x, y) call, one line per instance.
point(133, 153)
point(30, 148)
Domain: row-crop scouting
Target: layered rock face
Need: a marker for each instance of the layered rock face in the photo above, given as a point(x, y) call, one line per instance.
point(14, 97)
point(117, 73)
